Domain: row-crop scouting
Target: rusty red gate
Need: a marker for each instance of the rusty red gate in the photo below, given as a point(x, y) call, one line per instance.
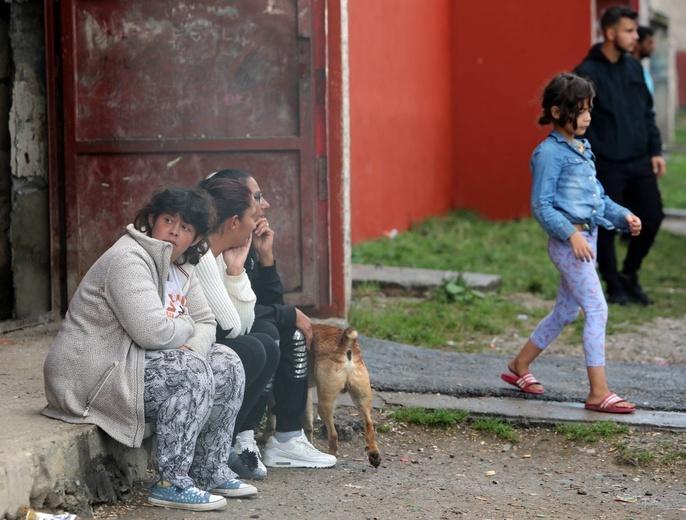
point(165, 92)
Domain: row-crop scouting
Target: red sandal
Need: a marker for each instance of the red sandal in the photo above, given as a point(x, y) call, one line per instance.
point(608, 405)
point(523, 382)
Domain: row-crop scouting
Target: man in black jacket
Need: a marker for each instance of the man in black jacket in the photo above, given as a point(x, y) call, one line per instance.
point(627, 146)
point(288, 447)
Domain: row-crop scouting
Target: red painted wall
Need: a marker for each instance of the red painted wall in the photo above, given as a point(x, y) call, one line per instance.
point(444, 98)
point(681, 77)
point(504, 55)
point(401, 124)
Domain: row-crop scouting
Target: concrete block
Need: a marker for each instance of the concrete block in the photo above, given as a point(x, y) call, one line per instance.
point(417, 281)
point(31, 253)
point(56, 472)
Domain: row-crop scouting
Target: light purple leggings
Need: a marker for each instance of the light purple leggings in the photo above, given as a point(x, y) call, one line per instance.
point(579, 288)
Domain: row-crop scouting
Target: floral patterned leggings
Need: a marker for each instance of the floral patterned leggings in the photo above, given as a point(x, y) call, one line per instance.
point(194, 403)
point(579, 288)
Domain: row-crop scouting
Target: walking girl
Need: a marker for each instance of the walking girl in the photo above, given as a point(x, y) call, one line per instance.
point(569, 203)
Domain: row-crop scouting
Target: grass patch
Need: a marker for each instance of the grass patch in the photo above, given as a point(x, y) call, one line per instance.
point(461, 241)
point(634, 457)
point(680, 130)
point(441, 418)
point(496, 427)
point(671, 458)
point(591, 432)
point(436, 323)
point(673, 183)
point(384, 428)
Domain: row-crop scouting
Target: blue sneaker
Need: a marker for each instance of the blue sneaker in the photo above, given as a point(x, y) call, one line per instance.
point(164, 494)
point(235, 488)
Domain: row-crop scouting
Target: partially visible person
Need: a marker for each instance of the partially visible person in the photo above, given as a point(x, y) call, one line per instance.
point(227, 287)
point(645, 45)
point(137, 345)
point(570, 205)
point(288, 447)
point(628, 149)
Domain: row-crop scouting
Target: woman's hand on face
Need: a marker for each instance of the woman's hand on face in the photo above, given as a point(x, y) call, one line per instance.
point(582, 249)
point(235, 257)
point(264, 241)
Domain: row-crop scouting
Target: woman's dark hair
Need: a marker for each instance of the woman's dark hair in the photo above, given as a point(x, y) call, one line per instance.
point(231, 197)
point(568, 92)
point(229, 173)
point(194, 206)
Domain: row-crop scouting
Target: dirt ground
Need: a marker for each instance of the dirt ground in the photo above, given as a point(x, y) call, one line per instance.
point(429, 473)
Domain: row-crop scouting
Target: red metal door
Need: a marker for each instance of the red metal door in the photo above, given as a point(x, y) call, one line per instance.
point(164, 92)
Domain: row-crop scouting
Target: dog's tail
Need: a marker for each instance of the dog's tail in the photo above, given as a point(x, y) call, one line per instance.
point(347, 341)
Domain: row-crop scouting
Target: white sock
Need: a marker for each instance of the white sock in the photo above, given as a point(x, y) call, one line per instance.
point(287, 436)
point(245, 434)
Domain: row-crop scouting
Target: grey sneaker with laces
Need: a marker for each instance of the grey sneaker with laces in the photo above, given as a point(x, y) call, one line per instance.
point(234, 488)
point(245, 459)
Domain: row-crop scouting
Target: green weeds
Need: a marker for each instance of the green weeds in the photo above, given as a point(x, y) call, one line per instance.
point(446, 418)
point(440, 418)
point(591, 432)
point(496, 427)
point(634, 457)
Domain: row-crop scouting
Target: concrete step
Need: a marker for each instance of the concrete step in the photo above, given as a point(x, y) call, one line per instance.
point(414, 281)
point(43, 462)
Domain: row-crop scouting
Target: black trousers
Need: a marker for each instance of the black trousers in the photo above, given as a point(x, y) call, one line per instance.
point(290, 382)
point(259, 355)
point(633, 185)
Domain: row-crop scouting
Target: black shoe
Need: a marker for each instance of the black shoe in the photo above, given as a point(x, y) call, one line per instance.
point(633, 290)
point(617, 295)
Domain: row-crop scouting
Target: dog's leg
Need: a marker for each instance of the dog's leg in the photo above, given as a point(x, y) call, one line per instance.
point(361, 393)
point(308, 416)
point(326, 403)
point(270, 424)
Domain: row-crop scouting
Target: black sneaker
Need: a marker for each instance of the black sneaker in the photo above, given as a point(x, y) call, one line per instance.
point(633, 290)
point(616, 294)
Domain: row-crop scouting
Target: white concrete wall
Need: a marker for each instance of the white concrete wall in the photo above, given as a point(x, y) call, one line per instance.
point(676, 10)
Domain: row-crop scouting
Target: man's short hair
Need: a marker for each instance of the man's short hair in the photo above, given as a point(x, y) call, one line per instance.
point(614, 14)
point(644, 32)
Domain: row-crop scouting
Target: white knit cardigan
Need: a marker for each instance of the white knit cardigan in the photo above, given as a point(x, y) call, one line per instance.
point(231, 298)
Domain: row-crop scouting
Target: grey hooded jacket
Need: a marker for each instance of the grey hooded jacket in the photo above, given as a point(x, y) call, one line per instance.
point(94, 372)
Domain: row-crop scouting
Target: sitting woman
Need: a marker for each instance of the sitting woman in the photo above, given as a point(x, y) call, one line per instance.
point(227, 288)
point(138, 345)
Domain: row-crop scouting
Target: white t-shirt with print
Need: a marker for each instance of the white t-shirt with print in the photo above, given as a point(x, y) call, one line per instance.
point(175, 300)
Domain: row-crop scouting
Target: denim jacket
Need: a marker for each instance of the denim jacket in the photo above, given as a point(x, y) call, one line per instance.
point(565, 190)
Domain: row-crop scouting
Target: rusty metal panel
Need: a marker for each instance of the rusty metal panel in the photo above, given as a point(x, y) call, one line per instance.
point(185, 70)
point(160, 93)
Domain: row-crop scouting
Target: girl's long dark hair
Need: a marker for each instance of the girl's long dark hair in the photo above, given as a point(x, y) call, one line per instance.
point(568, 92)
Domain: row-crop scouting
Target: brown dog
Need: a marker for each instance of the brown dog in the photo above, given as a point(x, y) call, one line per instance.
point(335, 367)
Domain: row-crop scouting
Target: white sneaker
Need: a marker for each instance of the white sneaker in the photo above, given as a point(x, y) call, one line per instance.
point(295, 453)
point(245, 458)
